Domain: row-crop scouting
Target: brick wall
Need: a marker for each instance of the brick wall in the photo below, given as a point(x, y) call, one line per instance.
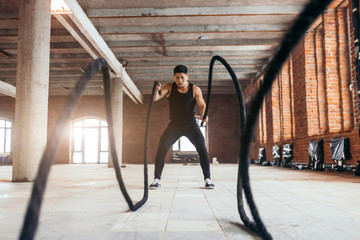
point(344, 67)
point(319, 62)
point(88, 106)
point(331, 72)
point(287, 110)
point(312, 93)
point(300, 103)
point(223, 126)
point(353, 75)
point(310, 100)
point(7, 108)
point(134, 121)
point(224, 131)
point(223, 134)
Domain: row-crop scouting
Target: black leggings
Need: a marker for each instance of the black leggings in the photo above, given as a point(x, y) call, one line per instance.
point(174, 132)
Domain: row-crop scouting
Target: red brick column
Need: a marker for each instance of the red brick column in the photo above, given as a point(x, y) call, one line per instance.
point(311, 85)
point(300, 104)
point(286, 102)
point(344, 66)
point(353, 71)
point(320, 76)
point(274, 107)
point(331, 70)
point(262, 121)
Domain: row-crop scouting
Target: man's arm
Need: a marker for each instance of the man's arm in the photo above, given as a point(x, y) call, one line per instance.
point(200, 102)
point(164, 91)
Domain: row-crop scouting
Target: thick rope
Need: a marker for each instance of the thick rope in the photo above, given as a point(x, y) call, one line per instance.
point(312, 10)
point(242, 112)
point(309, 14)
point(33, 211)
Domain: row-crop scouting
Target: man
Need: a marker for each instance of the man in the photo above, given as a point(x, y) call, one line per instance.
point(182, 96)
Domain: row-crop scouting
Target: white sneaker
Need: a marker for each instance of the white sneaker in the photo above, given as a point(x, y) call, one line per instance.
point(209, 184)
point(156, 184)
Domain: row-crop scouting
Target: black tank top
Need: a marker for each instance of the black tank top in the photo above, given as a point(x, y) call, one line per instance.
point(182, 105)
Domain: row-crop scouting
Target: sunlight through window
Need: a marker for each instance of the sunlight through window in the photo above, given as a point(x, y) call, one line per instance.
point(90, 141)
point(5, 137)
point(184, 144)
point(59, 7)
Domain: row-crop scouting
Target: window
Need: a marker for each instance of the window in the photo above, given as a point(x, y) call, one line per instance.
point(90, 141)
point(5, 137)
point(184, 144)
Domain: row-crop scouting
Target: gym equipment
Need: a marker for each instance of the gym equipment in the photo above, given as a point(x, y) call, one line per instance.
point(316, 155)
point(261, 156)
point(287, 155)
point(276, 152)
point(340, 151)
point(357, 169)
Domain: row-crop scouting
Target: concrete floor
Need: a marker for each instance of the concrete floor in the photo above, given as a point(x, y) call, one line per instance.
point(84, 202)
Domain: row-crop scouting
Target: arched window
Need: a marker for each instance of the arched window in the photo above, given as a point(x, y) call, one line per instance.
point(5, 137)
point(90, 141)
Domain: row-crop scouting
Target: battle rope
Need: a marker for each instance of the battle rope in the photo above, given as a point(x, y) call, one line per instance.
point(312, 10)
point(33, 211)
point(310, 13)
point(117, 169)
point(242, 112)
point(356, 26)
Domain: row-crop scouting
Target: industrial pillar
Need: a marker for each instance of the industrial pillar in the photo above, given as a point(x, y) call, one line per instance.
point(117, 111)
point(32, 88)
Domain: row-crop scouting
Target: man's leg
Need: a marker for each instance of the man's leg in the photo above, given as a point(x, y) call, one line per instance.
point(168, 138)
point(195, 136)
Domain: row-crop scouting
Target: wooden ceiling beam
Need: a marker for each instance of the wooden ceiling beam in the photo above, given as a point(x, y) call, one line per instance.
point(97, 43)
point(7, 89)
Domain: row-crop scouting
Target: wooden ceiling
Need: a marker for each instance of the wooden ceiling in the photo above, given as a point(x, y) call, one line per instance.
point(150, 37)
